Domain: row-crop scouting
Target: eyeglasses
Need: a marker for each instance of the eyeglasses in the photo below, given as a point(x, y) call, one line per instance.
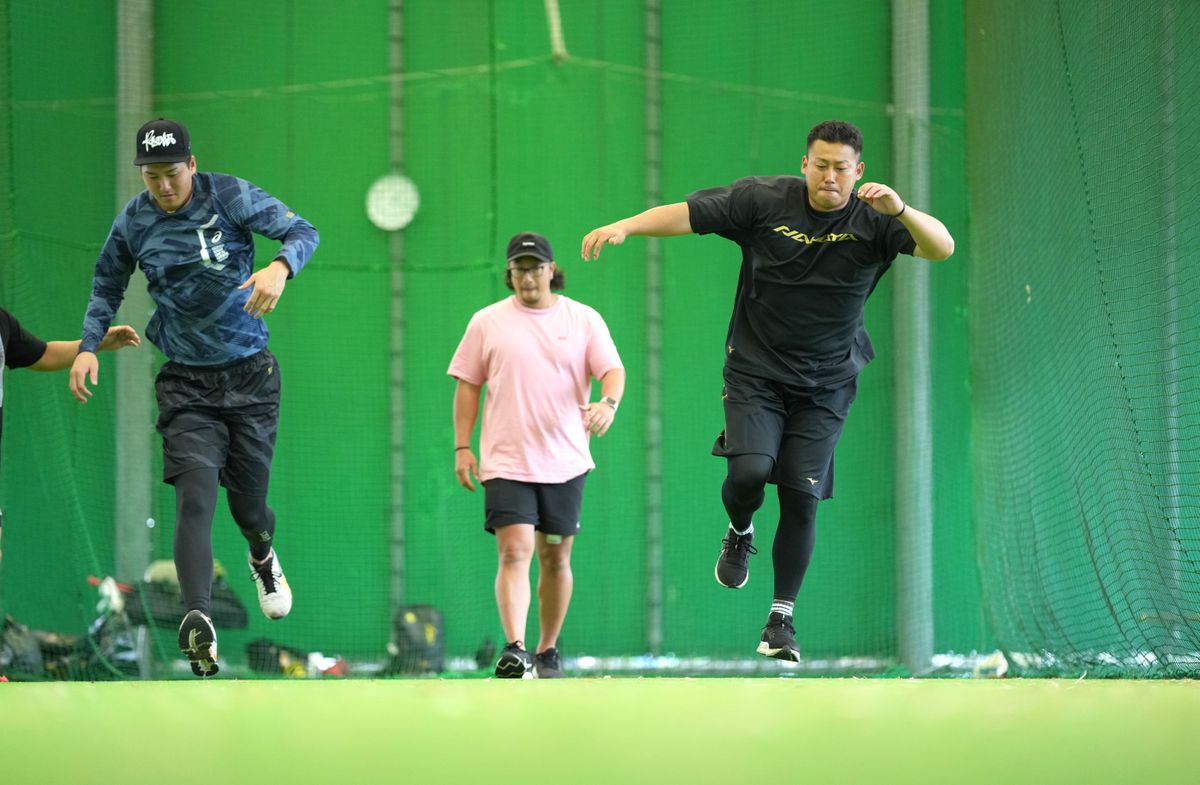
point(536, 271)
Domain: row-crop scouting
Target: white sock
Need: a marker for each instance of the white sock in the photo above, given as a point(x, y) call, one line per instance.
point(742, 534)
point(779, 606)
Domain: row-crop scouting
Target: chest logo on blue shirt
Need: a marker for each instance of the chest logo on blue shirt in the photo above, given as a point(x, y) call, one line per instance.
point(801, 237)
point(212, 252)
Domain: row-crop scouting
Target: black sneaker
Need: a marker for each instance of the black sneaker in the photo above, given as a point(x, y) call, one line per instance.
point(198, 642)
point(548, 665)
point(779, 639)
point(514, 663)
point(733, 565)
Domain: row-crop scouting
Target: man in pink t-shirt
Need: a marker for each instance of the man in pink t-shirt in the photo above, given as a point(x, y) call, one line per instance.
point(537, 352)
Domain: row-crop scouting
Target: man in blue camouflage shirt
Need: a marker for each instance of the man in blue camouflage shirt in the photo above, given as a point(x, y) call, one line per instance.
point(191, 233)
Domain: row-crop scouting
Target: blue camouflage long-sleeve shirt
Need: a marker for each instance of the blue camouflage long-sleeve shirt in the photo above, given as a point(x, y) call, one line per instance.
point(195, 260)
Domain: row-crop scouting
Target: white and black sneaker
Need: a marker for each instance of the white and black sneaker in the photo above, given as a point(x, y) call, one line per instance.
point(779, 638)
point(198, 642)
point(514, 663)
point(274, 594)
point(733, 565)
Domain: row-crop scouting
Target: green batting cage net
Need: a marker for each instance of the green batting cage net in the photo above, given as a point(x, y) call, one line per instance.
point(1085, 299)
point(419, 136)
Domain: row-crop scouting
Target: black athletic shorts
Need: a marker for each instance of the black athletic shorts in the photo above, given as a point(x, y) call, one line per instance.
point(552, 508)
point(798, 427)
point(220, 417)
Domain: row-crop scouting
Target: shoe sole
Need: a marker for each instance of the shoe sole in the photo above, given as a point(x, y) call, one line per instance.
point(513, 668)
point(786, 653)
point(197, 644)
point(717, 575)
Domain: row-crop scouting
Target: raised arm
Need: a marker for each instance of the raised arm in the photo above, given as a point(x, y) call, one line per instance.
point(263, 214)
point(668, 220)
point(934, 241)
point(61, 354)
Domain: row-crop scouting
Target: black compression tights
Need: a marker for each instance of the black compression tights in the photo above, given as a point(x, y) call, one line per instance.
point(794, 541)
point(195, 502)
point(743, 494)
point(742, 491)
point(255, 519)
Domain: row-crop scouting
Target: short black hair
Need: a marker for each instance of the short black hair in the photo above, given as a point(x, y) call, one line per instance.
point(837, 132)
point(557, 282)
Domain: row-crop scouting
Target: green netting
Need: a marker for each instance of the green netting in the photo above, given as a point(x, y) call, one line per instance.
point(1085, 296)
point(499, 138)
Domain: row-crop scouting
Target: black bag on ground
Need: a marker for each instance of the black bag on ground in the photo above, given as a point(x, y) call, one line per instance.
point(418, 641)
point(267, 656)
point(19, 650)
point(160, 603)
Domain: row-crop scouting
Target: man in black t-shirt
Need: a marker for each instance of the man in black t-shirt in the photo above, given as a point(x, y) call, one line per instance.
point(20, 348)
point(813, 250)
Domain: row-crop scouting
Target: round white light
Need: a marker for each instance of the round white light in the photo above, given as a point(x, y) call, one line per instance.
point(392, 201)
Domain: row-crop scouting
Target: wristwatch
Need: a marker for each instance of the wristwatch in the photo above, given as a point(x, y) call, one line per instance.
point(610, 401)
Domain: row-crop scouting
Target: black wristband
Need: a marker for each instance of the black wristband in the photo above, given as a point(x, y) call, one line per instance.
point(456, 449)
point(902, 209)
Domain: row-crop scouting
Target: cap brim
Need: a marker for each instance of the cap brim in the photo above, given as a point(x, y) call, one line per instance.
point(530, 255)
point(173, 158)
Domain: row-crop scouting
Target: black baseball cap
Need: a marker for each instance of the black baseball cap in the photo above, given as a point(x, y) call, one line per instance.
point(162, 141)
point(529, 244)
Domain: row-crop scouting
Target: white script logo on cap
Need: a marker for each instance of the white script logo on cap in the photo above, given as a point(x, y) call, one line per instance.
point(163, 139)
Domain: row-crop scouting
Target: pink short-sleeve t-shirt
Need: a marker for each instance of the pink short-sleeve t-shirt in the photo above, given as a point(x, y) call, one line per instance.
point(537, 365)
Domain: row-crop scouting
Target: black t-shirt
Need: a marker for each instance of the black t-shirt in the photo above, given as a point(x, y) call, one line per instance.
point(18, 348)
point(806, 275)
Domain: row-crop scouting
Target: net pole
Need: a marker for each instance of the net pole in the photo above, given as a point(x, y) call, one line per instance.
point(8, 239)
point(558, 44)
point(8, 231)
point(654, 334)
point(396, 254)
point(1174, 617)
point(134, 370)
point(913, 433)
